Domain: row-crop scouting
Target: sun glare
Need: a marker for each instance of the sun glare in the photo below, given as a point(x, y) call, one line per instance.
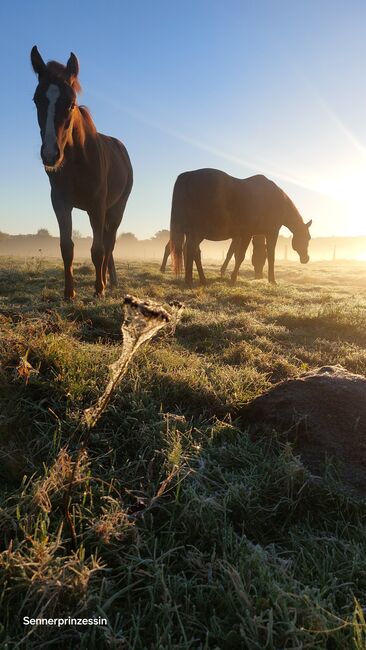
point(349, 189)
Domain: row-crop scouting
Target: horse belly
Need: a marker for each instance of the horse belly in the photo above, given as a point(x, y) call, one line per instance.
point(85, 196)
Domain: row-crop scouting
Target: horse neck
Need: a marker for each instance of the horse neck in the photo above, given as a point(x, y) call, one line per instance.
point(292, 217)
point(82, 130)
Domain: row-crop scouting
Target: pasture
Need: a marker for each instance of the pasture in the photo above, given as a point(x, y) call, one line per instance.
point(189, 534)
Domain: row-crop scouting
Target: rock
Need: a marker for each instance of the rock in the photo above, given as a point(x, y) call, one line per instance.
point(323, 412)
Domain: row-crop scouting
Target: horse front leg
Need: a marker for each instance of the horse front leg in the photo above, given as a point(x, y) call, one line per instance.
point(197, 259)
point(271, 246)
point(63, 212)
point(259, 255)
point(97, 219)
point(185, 254)
point(241, 246)
point(189, 257)
point(228, 257)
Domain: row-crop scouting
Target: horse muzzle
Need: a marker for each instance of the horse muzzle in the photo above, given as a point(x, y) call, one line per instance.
point(304, 259)
point(50, 158)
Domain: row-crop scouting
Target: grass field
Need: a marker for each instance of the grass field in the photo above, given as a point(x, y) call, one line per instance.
point(189, 534)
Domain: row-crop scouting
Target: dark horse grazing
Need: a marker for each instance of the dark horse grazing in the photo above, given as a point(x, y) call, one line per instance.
point(86, 169)
point(209, 204)
point(259, 255)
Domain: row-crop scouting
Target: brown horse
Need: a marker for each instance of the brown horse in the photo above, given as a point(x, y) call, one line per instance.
point(86, 169)
point(259, 255)
point(209, 204)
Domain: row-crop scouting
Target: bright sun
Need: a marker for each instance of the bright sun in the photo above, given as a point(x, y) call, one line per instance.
point(349, 189)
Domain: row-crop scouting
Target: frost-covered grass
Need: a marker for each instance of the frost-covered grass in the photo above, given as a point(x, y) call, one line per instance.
point(188, 534)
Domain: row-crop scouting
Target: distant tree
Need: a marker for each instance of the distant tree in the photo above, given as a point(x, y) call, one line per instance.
point(161, 235)
point(43, 232)
point(128, 237)
point(76, 234)
point(4, 235)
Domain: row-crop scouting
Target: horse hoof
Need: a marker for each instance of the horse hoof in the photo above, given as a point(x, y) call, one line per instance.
point(68, 297)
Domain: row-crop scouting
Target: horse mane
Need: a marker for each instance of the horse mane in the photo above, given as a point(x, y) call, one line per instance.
point(292, 215)
point(58, 70)
point(82, 126)
point(88, 120)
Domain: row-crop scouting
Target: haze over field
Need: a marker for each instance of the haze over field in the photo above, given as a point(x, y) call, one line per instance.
point(129, 247)
point(246, 87)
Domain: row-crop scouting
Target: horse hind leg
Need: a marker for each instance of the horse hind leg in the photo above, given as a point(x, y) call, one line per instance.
point(165, 258)
point(113, 219)
point(97, 221)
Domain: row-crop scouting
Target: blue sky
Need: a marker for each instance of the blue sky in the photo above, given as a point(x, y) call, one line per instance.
point(271, 86)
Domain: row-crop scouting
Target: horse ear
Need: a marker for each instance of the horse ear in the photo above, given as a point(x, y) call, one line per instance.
point(72, 66)
point(38, 64)
point(308, 224)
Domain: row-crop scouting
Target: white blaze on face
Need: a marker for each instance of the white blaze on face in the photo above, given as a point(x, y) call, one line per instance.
point(50, 140)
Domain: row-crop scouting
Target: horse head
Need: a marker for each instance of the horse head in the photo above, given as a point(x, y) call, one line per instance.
point(55, 100)
point(300, 241)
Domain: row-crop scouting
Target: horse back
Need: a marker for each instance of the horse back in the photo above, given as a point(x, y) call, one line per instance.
point(203, 200)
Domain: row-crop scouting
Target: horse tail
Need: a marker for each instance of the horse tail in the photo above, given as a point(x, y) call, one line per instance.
point(176, 231)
